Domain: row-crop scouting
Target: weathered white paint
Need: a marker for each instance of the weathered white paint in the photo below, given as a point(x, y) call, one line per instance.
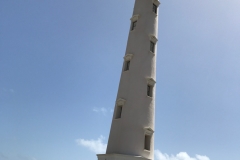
point(126, 139)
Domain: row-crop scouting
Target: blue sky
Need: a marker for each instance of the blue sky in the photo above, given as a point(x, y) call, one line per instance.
point(60, 64)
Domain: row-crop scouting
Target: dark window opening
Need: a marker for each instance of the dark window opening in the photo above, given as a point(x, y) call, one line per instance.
point(152, 46)
point(134, 24)
point(118, 112)
point(155, 8)
point(147, 142)
point(127, 65)
point(149, 90)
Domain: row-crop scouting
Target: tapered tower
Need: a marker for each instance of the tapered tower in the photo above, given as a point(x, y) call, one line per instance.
point(132, 130)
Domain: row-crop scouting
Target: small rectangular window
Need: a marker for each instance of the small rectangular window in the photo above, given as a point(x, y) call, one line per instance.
point(149, 90)
point(152, 46)
point(134, 24)
point(147, 142)
point(155, 8)
point(118, 112)
point(127, 65)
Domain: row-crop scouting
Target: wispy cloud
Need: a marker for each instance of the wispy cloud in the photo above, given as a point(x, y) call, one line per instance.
point(3, 157)
point(4, 90)
point(23, 157)
point(101, 110)
point(180, 156)
point(96, 146)
point(15, 157)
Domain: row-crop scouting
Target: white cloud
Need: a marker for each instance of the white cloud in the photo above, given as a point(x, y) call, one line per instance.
point(5, 91)
point(100, 110)
point(180, 156)
point(96, 146)
point(202, 157)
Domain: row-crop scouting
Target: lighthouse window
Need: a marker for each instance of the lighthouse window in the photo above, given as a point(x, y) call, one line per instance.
point(126, 65)
point(154, 8)
point(118, 112)
point(147, 142)
point(134, 24)
point(152, 46)
point(149, 90)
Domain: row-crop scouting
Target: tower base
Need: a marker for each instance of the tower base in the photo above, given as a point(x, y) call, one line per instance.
point(119, 157)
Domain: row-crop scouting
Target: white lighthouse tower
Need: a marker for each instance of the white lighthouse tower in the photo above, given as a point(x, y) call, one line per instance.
point(132, 130)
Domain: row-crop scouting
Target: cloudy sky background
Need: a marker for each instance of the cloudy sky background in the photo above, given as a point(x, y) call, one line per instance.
point(60, 64)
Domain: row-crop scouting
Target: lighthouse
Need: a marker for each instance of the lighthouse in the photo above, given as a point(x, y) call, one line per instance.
point(132, 130)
